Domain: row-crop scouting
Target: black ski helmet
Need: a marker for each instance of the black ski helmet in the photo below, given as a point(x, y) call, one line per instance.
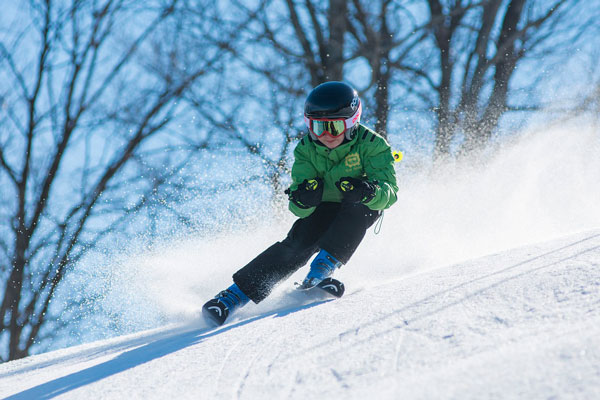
point(335, 100)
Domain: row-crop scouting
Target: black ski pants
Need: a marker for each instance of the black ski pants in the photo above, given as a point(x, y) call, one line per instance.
point(335, 227)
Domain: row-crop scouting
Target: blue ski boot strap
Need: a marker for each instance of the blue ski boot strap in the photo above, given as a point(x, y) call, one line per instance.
point(323, 265)
point(233, 297)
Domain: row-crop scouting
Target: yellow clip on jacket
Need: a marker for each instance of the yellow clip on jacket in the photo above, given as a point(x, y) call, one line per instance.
point(367, 155)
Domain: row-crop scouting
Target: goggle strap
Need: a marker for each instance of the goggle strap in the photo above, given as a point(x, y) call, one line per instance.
point(350, 122)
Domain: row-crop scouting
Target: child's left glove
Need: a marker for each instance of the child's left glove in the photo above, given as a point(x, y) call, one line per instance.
point(356, 190)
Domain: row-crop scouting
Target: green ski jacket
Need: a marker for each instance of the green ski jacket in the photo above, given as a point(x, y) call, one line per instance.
point(367, 155)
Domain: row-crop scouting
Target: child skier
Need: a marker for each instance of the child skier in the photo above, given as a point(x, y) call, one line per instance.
point(343, 176)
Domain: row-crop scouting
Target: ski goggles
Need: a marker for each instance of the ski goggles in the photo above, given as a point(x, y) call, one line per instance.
point(332, 127)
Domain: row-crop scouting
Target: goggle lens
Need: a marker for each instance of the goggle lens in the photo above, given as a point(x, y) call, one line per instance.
point(335, 128)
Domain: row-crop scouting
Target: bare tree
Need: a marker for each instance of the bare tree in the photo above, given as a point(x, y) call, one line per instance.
point(83, 143)
point(318, 40)
point(460, 62)
point(308, 42)
point(286, 48)
point(384, 33)
point(478, 48)
point(320, 35)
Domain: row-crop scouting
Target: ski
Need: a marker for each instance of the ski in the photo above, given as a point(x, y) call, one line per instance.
point(330, 285)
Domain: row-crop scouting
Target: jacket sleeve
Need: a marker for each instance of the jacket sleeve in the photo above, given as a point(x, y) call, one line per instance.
point(379, 166)
point(302, 169)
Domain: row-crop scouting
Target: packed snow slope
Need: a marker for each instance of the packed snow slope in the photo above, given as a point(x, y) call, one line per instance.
point(523, 323)
point(484, 282)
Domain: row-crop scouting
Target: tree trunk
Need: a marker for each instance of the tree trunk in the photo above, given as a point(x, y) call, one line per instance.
point(333, 62)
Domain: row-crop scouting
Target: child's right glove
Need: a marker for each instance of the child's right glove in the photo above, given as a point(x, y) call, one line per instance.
point(356, 190)
point(308, 194)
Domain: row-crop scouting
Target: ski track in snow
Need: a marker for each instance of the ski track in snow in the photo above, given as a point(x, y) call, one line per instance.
point(524, 323)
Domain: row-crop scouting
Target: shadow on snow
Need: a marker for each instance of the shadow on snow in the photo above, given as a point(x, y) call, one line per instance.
point(140, 355)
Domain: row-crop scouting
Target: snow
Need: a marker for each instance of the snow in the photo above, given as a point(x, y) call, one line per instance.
point(484, 283)
point(523, 323)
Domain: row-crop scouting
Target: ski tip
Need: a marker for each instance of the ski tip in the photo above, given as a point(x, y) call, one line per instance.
point(214, 313)
point(333, 287)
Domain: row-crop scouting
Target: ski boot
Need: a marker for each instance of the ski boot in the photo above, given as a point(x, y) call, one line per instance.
point(321, 268)
point(217, 310)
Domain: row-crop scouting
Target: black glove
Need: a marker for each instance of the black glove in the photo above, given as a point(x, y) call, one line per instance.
point(308, 194)
point(356, 190)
